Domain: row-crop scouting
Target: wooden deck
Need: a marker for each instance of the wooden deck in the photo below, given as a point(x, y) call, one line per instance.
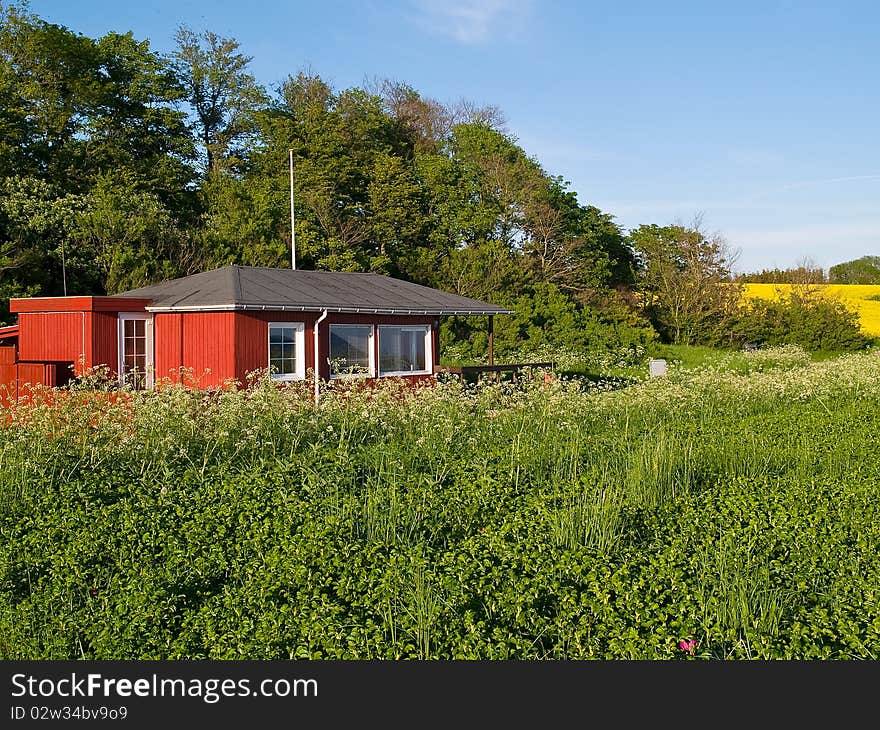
point(473, 372)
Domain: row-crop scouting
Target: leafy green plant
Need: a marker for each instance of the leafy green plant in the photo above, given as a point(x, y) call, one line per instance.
point(729, 509)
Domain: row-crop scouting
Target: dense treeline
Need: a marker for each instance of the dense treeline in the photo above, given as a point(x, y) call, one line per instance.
point(803, 274)
point(120, 167)
point(864, 270)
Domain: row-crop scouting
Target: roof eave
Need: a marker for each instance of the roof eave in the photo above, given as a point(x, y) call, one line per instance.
point(432, 312)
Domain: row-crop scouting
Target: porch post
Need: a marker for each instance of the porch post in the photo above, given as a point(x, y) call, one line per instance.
point(491, 339)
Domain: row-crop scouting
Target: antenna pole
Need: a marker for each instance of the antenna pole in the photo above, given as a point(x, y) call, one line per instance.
point(292, 219)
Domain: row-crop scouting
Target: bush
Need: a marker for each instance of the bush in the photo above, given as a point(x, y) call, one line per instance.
point(802, 317)
point(544, 317)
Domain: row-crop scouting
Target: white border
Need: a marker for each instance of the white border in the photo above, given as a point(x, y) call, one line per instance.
point(429, 355)
point(299, 344)
point(120, 345)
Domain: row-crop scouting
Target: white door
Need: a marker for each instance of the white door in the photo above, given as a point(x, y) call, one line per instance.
point(136, 350)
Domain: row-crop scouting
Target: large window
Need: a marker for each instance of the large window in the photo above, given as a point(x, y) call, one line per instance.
point(351, 350)
point(287, 357)
point(404, 350)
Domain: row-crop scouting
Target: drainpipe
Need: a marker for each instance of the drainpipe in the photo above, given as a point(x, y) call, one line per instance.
point(317, 358)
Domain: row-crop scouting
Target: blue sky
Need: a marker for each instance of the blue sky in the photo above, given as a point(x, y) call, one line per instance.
point(762, 116)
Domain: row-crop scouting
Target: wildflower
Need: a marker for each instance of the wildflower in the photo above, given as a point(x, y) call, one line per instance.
point(690, 646)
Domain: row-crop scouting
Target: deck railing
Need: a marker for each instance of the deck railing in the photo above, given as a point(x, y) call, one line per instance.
point(473, 372)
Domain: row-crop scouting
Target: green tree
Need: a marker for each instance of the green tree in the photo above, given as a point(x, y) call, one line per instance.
point(76, 107)
point(84, 118)
point(245, 222)
point(135, 124)
point(865, 270)
point(224, 96)
point(503, 179)
point(129, 235)
point(684, 283)
point(36, 254)
point(397, 218)
point(577, 247)
point(353, 180)
point(49, 78)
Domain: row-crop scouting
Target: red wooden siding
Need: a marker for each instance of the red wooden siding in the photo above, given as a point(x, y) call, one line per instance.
point(8, 381)
point(59, 336)
point(7, 354)
point(28, 374)
point(435, 333)
point(252, 339)
point(8, 372)
point(16, 380)
point(213, 346)
point(105, 339)
point(203, 342)
point(168, 345)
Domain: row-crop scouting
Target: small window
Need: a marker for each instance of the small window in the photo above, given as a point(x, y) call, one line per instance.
point(351, 350)
point(287, 356)
point(404, 350)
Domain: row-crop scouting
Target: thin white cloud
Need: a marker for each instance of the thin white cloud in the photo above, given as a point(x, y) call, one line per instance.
point(473, 22)
point(826, 181)
point(667, 208)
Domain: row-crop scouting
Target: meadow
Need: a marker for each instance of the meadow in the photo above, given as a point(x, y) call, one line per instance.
point(862, 298)
point(725, 511)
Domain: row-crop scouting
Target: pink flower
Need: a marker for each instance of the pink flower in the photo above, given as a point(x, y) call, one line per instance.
point(690, 646)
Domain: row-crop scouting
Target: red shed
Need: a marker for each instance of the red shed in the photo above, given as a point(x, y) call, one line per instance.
point(223, 324)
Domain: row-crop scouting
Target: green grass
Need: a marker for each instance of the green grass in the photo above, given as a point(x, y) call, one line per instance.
point(734, 502)
point(688, 356)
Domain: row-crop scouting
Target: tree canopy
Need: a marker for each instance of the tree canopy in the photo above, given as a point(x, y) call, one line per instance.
point(865, 270)
point(125, 167)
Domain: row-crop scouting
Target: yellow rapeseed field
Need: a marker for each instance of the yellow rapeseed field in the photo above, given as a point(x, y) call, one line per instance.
point(854, 296)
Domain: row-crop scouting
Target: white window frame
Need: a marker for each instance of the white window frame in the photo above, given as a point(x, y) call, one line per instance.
point(299, 343)
point(429, 354)
point(150, 359)
point(371, 351)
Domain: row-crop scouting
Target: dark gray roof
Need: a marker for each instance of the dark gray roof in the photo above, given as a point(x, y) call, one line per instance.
point(248, 287)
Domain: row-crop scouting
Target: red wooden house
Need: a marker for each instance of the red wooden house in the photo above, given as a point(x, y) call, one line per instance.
point(225, 323)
